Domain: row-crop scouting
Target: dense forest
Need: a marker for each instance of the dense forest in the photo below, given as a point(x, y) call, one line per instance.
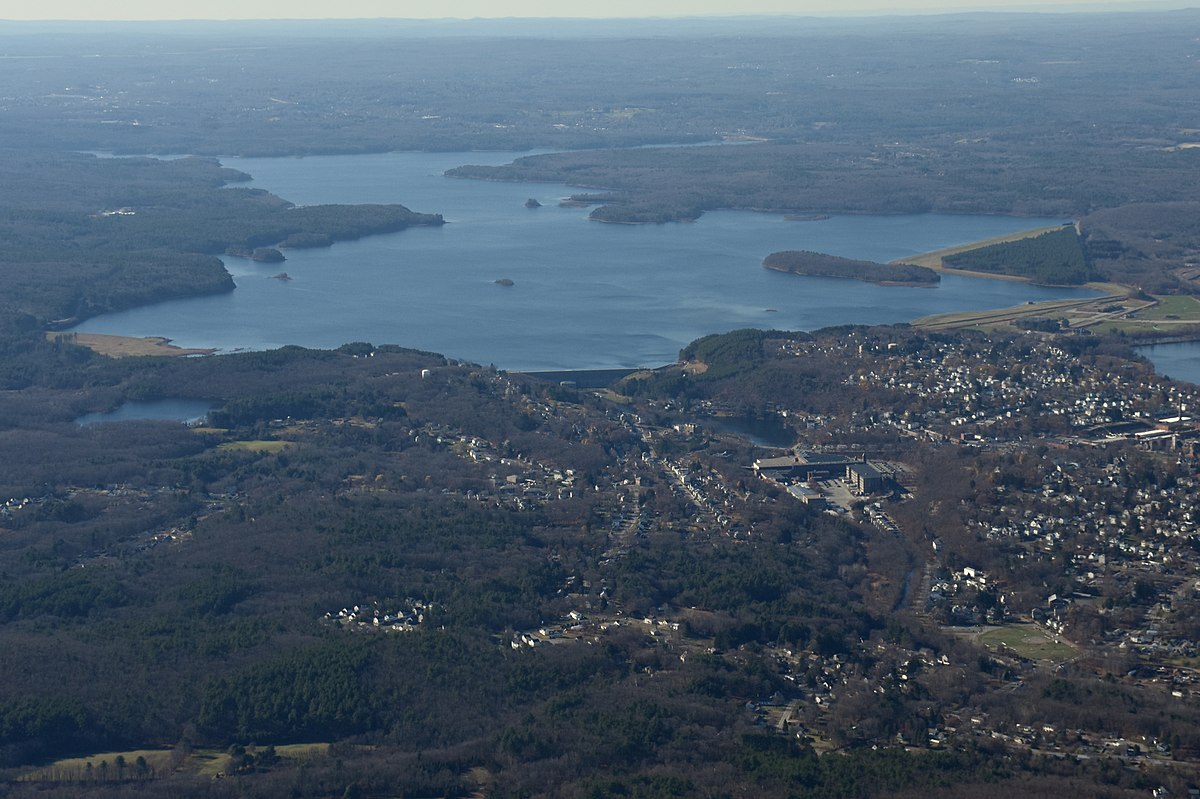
point(174, 593)
point(86, 235)
point(235, 592)
point(823, 265)
point(1056, 258)
point(1150, 245)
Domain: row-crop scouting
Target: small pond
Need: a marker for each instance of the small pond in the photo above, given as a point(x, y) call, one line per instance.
point(1180, 361)
point(770, 431)
point(188, 411)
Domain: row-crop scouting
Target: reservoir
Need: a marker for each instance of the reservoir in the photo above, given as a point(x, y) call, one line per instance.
point(574, 294)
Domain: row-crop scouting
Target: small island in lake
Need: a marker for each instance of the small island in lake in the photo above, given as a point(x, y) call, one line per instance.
point(504, 281)
point(532, 203)
point(267, 255)
point(816, 264)
point(284, 276)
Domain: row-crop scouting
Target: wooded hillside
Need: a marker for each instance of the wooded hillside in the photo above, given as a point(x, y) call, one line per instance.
point(85, 235)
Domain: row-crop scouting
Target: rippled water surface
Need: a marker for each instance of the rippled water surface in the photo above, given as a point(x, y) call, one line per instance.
point(583, 294)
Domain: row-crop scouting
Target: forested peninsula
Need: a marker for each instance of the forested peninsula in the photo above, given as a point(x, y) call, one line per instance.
point(816, 264)
point(1055, 258)
point(86, 235)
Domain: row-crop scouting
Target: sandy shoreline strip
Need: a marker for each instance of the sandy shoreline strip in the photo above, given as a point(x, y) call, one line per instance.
point(127, 346)
point(933, 260)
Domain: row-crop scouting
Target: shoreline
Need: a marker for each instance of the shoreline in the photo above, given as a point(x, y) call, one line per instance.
point(128, 346)
point(1163, 341)
point(912, 284)
point(933, 260)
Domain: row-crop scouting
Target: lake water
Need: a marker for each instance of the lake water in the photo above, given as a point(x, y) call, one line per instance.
point(1180, 361)
point(584, 295)
point(188, 411)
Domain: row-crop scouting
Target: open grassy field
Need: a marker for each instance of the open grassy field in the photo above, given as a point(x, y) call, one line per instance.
point(613, 396)
point(1180, 307)
point(207, 763)
point(1123, 327)
point(1116, 312)
point(1176, 316)
point(1028, 641)
point(76, 768)
point(256, 446)
point(159, 763)
point(127, 346)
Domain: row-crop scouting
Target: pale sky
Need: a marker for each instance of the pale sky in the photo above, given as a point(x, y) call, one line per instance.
point(467, 9)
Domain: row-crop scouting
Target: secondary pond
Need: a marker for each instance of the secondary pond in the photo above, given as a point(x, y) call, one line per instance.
point(770, 432)
point(188, 411)
point(1180, 361)
point(574, 294)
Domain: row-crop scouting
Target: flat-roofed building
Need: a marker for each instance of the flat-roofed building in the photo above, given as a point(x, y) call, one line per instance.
point(864, 478)
point(805, 466)
point(808, 496)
